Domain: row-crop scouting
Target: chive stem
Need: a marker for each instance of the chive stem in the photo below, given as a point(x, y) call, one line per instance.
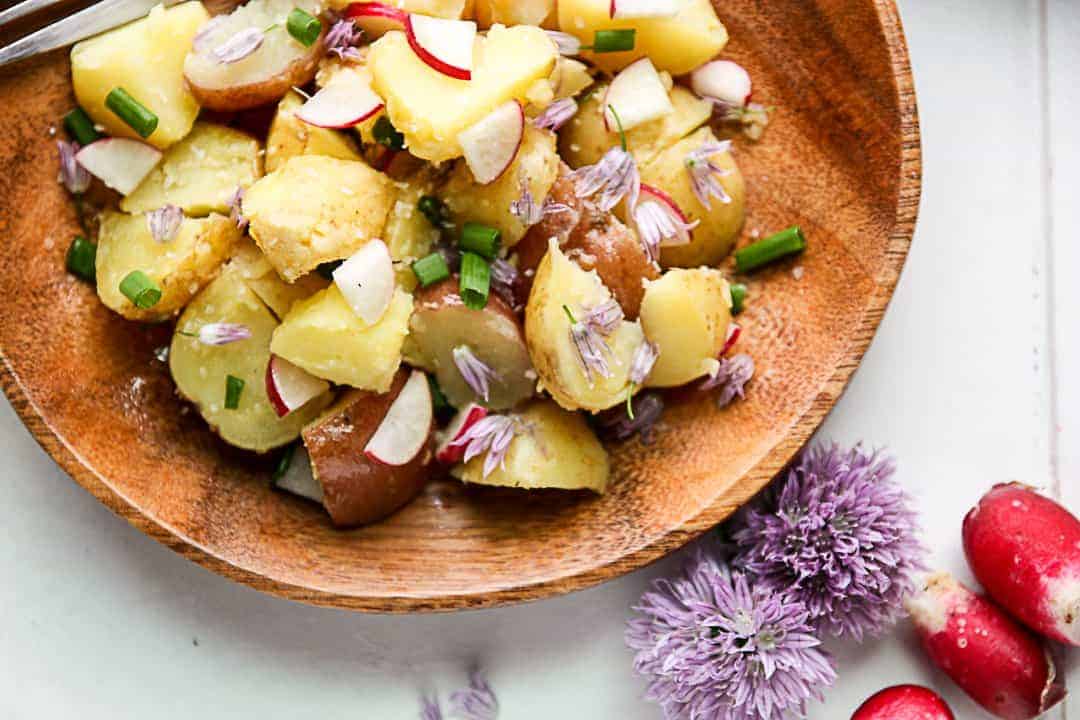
point(438, 398)
point(738, 297)
point(80, 127)
point(618, 124)
point(387, 135)
point(433, 209)
point(475, 281)
point(431, 269)
point(234, 387)
point(82, 259)
point(784, 243)
point(480, 239)
point(132, 112)
point(140, 290)
point(566, 309)
point(284, 463)
point(303, 26)
point(605, 41)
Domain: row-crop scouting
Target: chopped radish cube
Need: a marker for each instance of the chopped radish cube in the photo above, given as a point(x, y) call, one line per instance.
point(366, 280)
point(404, 430)
point(445, 45)
point(289, 387)
point(121, 163)
point(491, 145)
point(636, 96)
point(724, 81)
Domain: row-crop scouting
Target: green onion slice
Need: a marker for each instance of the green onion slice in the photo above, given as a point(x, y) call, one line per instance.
point(140, 290)
point(438, 398)
point(475, 282)
point(738, 297)
point(80, 127)
point(784, 243)
point(81, 259)
point(286, 457)
point(303, 26)
point(431, 269)
point(480, 239)
point(386, 134)
point(234, 387)
point(605, 41)
point(433, 209)
point(132, 112)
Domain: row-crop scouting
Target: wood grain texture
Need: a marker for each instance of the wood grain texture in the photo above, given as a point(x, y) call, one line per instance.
point(842, 158)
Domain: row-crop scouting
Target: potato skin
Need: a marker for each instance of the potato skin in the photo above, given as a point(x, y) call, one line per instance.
point(357, 489)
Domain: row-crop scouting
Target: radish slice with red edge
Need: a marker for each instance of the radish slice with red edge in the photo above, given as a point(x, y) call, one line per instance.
point(298, 478)
point(404, 430)
point(491, 145)
point(637, 95)
point(376, 19)
point(733, 333)
point(722, 80)
point(120, 163)
point(366, 281)
point(447, 452)
point(344, 103)
point(622, 9)
point(445, 45)
point(289, 387)
point(904, 702)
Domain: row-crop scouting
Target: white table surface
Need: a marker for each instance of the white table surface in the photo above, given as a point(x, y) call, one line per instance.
point(967, 381)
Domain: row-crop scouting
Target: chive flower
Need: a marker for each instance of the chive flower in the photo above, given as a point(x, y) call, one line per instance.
point(475, 702)
point(74, 176)
point(730, 376)
point(565, 43)
point(657, 224)
point(588, 335)
point(614, 177)
point(705, 174)
point(239, 46)
point(235, 205)
point(556, 114)
point(506, 282)
point(529, 212)
point(164, 222)
point(839, 533)
point(342, 39)
point(222, 333)
point(476, 373)
point(491, 435)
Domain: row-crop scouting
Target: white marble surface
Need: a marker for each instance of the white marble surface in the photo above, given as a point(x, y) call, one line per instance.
point(967, 381)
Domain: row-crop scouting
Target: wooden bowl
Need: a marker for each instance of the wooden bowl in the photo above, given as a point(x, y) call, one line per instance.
point(841, 158)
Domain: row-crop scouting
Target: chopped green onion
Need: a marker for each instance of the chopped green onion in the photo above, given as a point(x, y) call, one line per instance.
point(438, 398)
point(327, 268)
point(140, 290)
point(605, 41)
point(618, 124)
point(132, 112)
point(772, 248)
point(303, 26)
point(480, 239)
point(475, 281)
point(81, 257)
point(234, 386)
point(80, 127)
point(431, 269)
point(738, 296)
point(284, 462)
point(433, 209)
point(386, 134)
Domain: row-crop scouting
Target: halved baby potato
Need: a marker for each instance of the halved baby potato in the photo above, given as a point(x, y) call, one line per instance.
point(201, 371)
point(290, 136)
point(441, 322)
point(281, 62)
point(200, 173)
point(180, 267)
point(553, 448)
point(560, 283)
point(264, 281)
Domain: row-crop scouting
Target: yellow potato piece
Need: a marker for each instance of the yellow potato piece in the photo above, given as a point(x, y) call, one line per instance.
point(513, 12)
point(677, 44)
point(146, 58)
point(290, 136)
point(200, 371)
point(259, 275)
point(409, 234)
point(554, 449)
point(431, 109)
point(179, 267)
point(325, 337)
point(315, 209)
point(686, 313)
point(536, 164)
point(200, 173)
point(570, 77)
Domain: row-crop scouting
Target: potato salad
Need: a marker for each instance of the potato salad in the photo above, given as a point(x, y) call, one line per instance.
point(397, 241)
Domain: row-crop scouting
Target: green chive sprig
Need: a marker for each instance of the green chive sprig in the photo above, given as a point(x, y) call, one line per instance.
point(738, 297)
point(303, 26)
point(81, 259)
point(234, 388)
point(132, 112)
point(80, 127)
point(431, 269)
point(475, 282)
point(480, 239)
point(387, 135)
point(140, 290)
point(284, 463)
point(438, 398)
point(605, 41)
point(784, 243)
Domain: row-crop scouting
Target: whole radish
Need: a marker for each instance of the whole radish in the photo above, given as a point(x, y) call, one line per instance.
point(1025, 550)
point(996, 661)
point(904, 702)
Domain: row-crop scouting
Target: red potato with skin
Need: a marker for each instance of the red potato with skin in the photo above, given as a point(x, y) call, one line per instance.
point(904, 702)
point(1025, 550)
point(996, 661)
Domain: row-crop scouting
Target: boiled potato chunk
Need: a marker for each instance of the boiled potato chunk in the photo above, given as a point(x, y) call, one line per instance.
point(409, 234)
point(585, 139)
point(677, 44)
point(200, 371)
point(290, 136)
point(200, 173)
point(315, 209)
point(554, 449)
point(325, 337)
point(513, 12)
point(179, 267)
point(686, 313)
point(713, 239)
point(260, 276)
point(561, 282)
point(570, 77)
point(146, 58)
point(536, 163)
point(450, 9)
point(431, 109)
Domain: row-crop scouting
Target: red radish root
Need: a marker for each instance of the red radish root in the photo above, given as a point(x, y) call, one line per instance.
point(1025, 550)
point(1001, 665)
point(904, 702)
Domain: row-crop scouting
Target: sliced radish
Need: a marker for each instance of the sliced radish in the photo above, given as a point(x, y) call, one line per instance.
point(298, 478)
point(491, 145)
point(679, 221)
point(346, 102)
point(366, 280)
point(121, 163)
point(733, 332)
point(403, 432)
point(445, 45)
point(643, 8)
point(290, 387)
point(722, 80)
point(376, 19)
point(468, 416)
point(638, 95)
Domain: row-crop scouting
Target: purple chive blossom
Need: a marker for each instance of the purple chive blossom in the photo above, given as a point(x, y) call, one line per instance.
point(731, 375)
point(235, 206)
point(342, 39)
point(475, 702)
point(201, 42)
point(74, 176)
point(556, 114)
point(492, 435)
point(164, 222)
point(658, 225)
point(429, 709)
point(223, 333)
point(477, 374)
point(590, 345)
point(506, 283)
point(529, 212)
point(644, 358)
point(839, 532)
point(565, 43)
point(615, 176)
point(239, 46)
point(713, 646)
point(604, 318)
point(705, 174)
point(617, 424)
